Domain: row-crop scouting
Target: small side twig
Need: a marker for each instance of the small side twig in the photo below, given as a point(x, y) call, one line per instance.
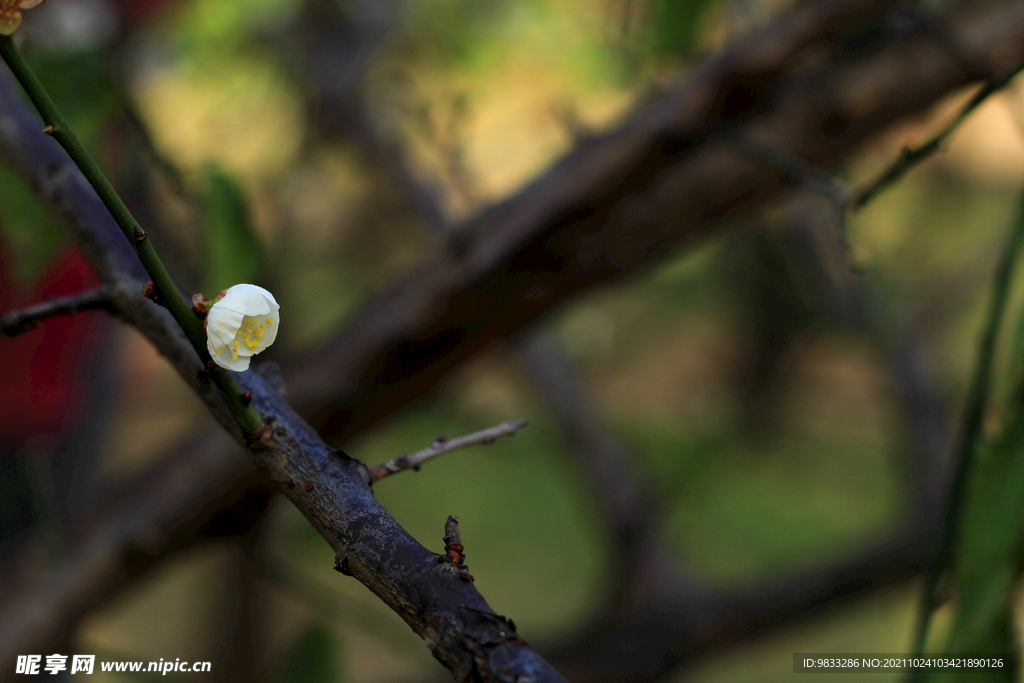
point(453, 548)
point(912, 156)
point(842, 196)
point(440, 446)
point(16, 322)
point(795, 168)
point(453, 541)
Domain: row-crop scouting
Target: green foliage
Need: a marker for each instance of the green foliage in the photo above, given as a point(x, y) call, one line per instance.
point(991, 540)
point(313, 659)
point(675, 26)
point(80, 86)
point(233, 252)
point(205, 31)
point(30, 236)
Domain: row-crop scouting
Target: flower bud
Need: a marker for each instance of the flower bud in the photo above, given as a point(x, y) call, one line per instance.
point(10, 14)
point(240, 325)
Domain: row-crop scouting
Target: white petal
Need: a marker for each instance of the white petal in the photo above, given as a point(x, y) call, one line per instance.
point(248, 300)
point(222, 325)
point(243, 350)
point(225, 360)
point(270, 331)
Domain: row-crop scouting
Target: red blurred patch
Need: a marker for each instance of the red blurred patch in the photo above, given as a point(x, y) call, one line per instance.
point(42, 368)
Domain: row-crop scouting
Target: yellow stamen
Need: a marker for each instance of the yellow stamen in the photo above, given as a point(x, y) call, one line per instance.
point(217, 351)
point(234, 356)
point(269, 321)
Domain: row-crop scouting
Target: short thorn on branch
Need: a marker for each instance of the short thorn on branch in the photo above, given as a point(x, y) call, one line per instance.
point(441, 445)
point(16, 322)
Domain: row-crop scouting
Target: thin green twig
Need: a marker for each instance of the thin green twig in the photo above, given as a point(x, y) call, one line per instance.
point(970, 429)
point(167, 291)
point(914, 155)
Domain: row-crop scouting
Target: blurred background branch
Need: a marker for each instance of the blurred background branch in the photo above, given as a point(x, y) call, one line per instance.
point(817, 84)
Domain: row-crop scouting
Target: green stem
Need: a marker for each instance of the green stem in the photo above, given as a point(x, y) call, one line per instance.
point(164, 285)
point(974, 413)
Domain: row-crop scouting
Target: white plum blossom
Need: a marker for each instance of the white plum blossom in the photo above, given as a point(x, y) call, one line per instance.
point(240, 325)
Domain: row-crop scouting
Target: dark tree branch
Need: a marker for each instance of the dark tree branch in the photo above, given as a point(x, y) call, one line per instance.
point(333, 490)
point(440, 446)
point(672, 193)
point(623, 201)
point(16, 322)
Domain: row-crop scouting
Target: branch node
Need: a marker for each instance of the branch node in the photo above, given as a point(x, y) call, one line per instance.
point(48, 130)
point(140, 235)
point(341, 565)
point(246, 397)
point(149, 291)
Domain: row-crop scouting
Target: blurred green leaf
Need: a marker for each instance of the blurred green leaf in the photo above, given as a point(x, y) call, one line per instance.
point(988, 560)
point(675, 26)
point(991, 541)
point(79, 83)
point(233, 252)
point(30, 235)
point(313, 659)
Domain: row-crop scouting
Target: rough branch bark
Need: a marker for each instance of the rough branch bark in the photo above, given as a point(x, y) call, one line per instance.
point(900, 78)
